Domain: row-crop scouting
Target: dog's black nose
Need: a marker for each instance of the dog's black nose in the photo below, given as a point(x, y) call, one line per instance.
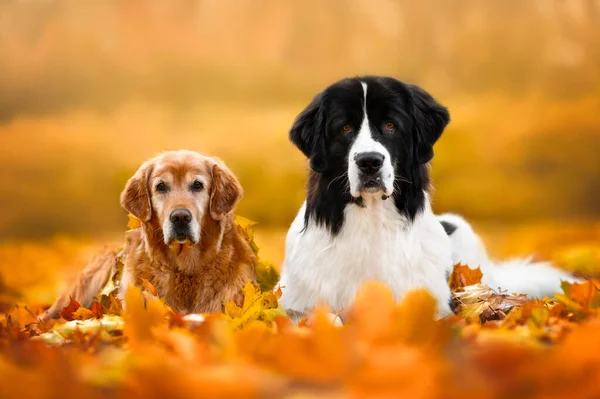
point(181, 217)
point(369, 162)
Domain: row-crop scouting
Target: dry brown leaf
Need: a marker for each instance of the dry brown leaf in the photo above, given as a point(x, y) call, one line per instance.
point(480, 303)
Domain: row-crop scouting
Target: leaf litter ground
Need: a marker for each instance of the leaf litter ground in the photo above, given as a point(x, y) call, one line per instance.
point(498, 345)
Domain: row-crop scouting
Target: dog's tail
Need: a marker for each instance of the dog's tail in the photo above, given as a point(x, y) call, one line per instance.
point(88, 284)
point(521, 276)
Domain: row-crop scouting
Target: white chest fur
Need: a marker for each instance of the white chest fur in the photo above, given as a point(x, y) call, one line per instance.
point(375, 243)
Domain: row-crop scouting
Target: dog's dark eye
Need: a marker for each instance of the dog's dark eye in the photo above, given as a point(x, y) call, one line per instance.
point(389, 127)
point(347, 129)
point(197, 185)
point(161, 187)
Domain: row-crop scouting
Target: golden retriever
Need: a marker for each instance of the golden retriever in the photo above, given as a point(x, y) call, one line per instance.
point(187, 247)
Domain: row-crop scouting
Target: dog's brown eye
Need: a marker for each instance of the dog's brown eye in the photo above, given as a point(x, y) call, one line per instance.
point(197, 185)
point(347, 128)
point(389, 127)
point(161, 187)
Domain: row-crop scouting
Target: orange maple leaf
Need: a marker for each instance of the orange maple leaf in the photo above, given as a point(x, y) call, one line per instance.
point(463, 276)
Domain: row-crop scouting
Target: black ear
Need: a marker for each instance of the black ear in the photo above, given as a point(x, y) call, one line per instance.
point(430, 119)
point(309, 134)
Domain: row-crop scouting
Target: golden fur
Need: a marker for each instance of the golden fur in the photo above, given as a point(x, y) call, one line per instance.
point(192, 276)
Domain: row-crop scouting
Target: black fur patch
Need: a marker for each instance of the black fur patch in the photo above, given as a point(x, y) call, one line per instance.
point(449, 227)
point(318, 133)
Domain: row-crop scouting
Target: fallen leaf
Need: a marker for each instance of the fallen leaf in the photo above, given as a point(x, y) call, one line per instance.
point(63, 332)
point(67, 311)
point(148, 286)
point(232, 310)
point(82, 314)
point(586, 293)
point(96, 309)
point(115, 306)
point(278, 292)
point(252, 307)
point(480, 303)
point(133, 222)
point(243, 222)
point(267, 275)
point(373, 312)
point(463, 275)
point(141, 316)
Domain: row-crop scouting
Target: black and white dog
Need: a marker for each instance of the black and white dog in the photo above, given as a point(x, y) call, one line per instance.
point(367, 214)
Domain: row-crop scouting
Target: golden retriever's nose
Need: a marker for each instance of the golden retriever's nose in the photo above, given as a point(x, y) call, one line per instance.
point(181, 217)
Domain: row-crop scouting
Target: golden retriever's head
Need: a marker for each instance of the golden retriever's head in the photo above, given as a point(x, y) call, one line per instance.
point(178, 189)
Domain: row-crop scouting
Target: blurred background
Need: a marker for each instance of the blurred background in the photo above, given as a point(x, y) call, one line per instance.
point(91, 89)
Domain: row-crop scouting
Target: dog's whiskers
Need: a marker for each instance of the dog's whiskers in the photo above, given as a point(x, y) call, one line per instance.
point(337, 178)
point(402, 179)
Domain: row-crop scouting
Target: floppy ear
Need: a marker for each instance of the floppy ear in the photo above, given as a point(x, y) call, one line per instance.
point(226, 192)
point(309, 134)
point(135, 198)
point(430, 119)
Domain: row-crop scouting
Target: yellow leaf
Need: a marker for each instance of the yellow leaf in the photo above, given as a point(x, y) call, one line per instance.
point(244, 227)
point(252, 307)
point(251, 296)
point(232, 310)
point(256, 306)
point(539, 316)
point(268, 300)
point(133, 222)
point(472, 311)
point(266, 274)
point(271, 314)
point(243, 222)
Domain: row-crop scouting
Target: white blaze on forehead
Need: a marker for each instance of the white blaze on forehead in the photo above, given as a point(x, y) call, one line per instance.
point(364, 142)
point(364, 86)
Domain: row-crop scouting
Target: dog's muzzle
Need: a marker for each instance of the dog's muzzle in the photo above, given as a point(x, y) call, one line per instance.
point(369, 166)
point(181, 220)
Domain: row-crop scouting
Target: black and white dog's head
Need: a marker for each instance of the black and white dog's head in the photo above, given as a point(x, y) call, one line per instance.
point(368, 137)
